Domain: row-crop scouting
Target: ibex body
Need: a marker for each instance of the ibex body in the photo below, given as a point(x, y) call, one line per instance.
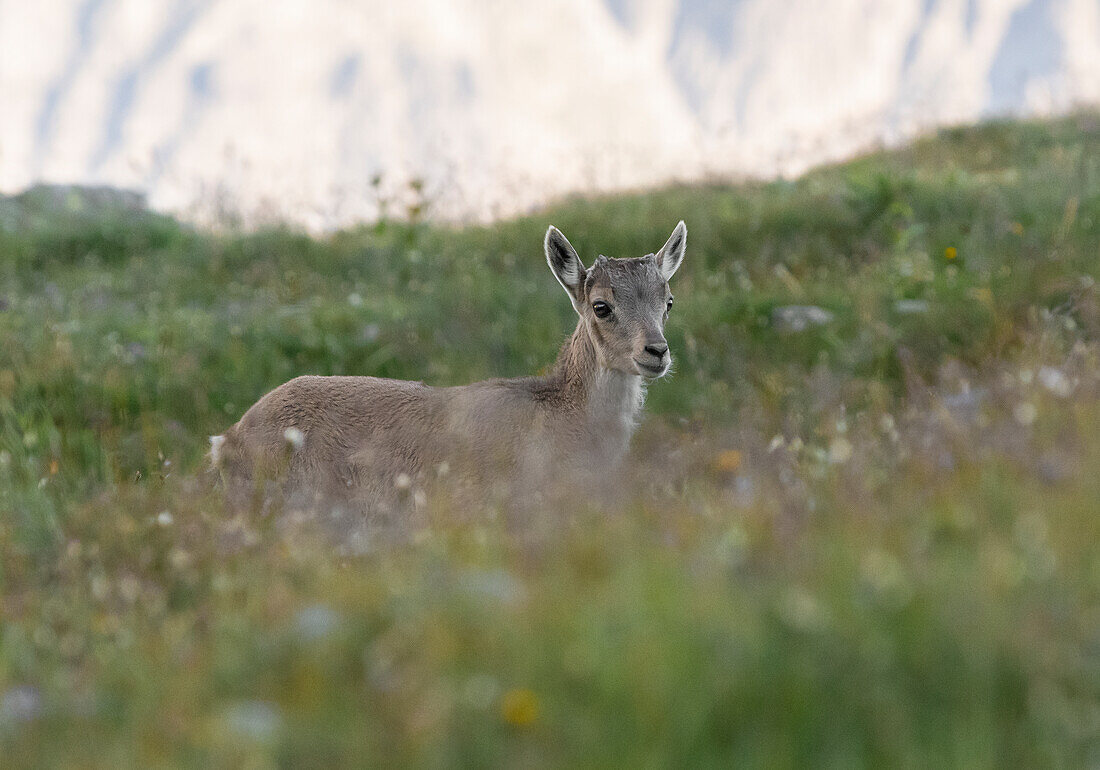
point(378, 443)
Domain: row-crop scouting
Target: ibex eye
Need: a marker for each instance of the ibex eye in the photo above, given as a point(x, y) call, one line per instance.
point(601, 309)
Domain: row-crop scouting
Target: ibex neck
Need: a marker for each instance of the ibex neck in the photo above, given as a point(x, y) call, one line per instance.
point(611, 400)
point(577, 363)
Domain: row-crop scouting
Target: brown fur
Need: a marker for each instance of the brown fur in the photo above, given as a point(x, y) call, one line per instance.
point(378, 443)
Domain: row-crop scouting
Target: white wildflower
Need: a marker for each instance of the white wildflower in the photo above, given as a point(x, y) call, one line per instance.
point(1025, 413)
point(316, 622)
point(294, 437)
point(1055, 381)
point(840, 450)
point(254, 720)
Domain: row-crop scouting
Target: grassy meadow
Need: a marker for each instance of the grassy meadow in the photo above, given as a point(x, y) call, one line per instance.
point(866, 535)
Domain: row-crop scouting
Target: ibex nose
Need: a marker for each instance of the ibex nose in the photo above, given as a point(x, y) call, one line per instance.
point(657, 349)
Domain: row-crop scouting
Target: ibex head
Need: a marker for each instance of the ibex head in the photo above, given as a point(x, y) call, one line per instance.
point(623, 303)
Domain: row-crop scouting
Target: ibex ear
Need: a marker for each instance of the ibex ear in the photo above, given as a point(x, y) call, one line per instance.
point(566, 265)
point(672, 253)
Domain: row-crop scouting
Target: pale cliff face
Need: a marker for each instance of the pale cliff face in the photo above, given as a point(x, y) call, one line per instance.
point(290, 109)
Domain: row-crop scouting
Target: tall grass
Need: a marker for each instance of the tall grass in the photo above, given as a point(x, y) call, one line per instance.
point(869, 542)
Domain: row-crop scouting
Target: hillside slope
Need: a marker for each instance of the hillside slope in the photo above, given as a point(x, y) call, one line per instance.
point(868, 541)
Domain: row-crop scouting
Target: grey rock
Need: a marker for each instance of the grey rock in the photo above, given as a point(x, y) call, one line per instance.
point(911, 306)
point(797, 318)
point(20, 704)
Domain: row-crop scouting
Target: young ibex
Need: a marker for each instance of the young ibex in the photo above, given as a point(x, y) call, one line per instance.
point(379, 443)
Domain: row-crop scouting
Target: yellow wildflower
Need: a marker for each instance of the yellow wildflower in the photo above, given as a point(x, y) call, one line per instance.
point(519, 707)
point(728, 461)
point(950, 252)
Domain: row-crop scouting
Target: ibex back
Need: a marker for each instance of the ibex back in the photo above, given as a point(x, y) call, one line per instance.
point(380, 443)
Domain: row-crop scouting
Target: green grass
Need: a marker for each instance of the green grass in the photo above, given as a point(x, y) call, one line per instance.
point(871, 543)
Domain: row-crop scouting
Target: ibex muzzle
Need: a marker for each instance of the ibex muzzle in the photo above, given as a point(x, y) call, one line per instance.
point(381, 443)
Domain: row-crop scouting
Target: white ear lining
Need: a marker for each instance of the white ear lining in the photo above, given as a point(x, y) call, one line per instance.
point(569, 274)
point(565, 264)
point(672, 253)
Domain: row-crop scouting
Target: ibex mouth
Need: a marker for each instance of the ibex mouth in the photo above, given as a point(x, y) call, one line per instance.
point(649, 370)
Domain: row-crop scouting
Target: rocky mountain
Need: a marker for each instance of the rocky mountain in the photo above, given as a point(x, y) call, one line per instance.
point(325, 112)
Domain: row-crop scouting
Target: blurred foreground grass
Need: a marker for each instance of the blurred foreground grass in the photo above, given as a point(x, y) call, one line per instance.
point(869, 541)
